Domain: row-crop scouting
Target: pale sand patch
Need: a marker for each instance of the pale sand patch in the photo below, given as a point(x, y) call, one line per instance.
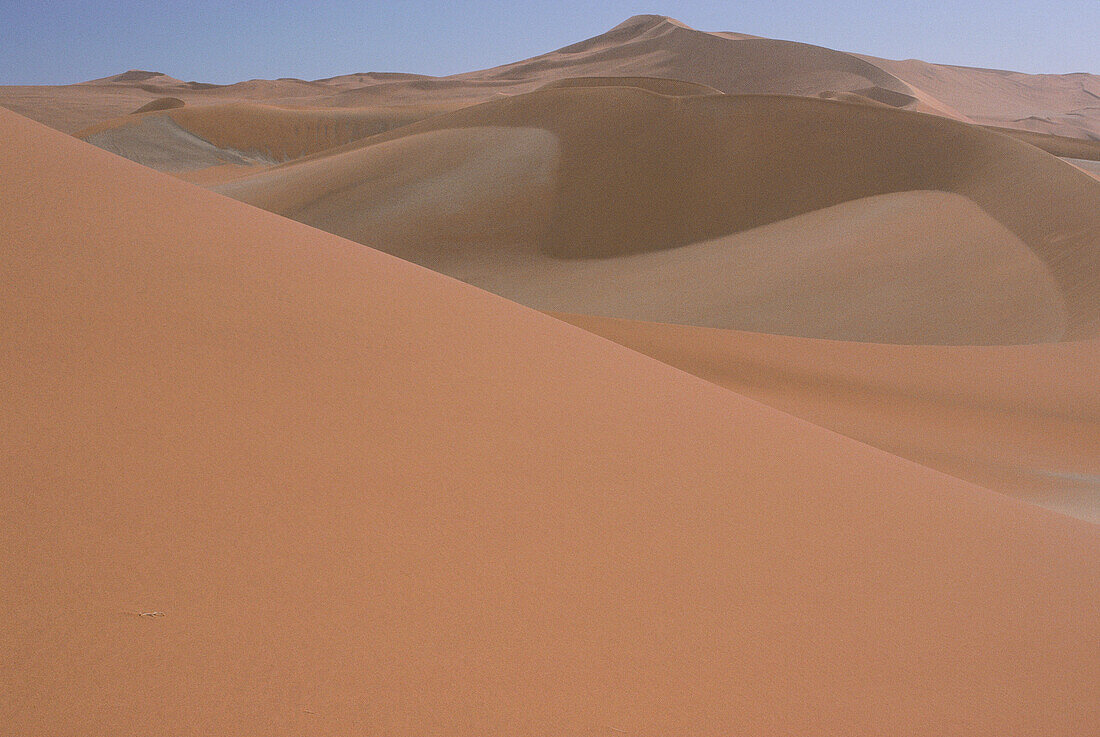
point(1090, 167)
point(160, 143)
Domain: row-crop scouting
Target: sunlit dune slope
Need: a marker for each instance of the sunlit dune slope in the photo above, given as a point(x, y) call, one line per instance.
point(882, 225)
point(1024, 420)
point(656, 46)
point(263, 480)
point(1066, 104)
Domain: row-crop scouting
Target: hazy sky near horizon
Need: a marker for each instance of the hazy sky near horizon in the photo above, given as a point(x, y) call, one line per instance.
point(64, 41)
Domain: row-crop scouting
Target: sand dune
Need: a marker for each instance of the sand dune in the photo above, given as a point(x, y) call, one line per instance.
point(1067, 104)
point(809, 442)
point(643, 46)
point(161, 103)
point(656, 46)
point(659, 85)
point(159, 142)
point(244, 133)
point(267, 481)
point(647, 206)
point(135, 77)
point(1034, 435)
point(1086, 165)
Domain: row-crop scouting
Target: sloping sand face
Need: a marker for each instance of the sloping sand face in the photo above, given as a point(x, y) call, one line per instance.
point(659, 85)
point(450, 193)
point(261, 133)
point(263, 480)
point(160, 143)
point(881, 225)
point(1023, 420)
point(911, 267)
point(161, 103)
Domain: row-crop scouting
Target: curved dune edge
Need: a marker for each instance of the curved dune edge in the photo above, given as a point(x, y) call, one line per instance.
point(160, 103)
point(659, 85)
point(261, 132)
point(1035, 436)
point(353, 495)
point(640, 172)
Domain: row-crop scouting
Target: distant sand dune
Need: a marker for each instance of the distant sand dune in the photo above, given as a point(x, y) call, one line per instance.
point(643, 173)
point(259, 131)
point(646, 46)
point(160, 143)
point(661, 86)
point(161, 103)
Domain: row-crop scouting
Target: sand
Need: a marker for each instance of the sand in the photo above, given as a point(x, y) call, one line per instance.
point(243, 133)
point(365, 497)
point(797, 216)
point(161, 103)
point(750, 388)
point(645, 46)
point(1023, 420)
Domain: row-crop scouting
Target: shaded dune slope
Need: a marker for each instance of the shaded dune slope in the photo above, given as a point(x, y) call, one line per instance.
point(624, 172)
point(364, 497)
point(260, 132)
point(161, 103)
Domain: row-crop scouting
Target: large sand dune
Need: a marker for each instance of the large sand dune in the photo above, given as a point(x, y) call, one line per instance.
point(263, 480)
point(885, 225)
point(642, 46)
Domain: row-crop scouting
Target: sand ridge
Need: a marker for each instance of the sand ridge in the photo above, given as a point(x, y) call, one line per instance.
point(646, 173)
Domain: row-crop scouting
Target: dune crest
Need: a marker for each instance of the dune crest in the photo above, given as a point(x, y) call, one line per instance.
point(642, 173)
point(161, 103)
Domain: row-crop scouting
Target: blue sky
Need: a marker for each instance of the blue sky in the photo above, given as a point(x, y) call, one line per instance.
point(63, 41)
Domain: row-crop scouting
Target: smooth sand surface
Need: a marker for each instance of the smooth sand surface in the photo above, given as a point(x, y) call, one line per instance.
point(1091, 167)
point(264, 480)
point(1023, 420)
point(159, 142)
point(1067, 104)
point(777, 214)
